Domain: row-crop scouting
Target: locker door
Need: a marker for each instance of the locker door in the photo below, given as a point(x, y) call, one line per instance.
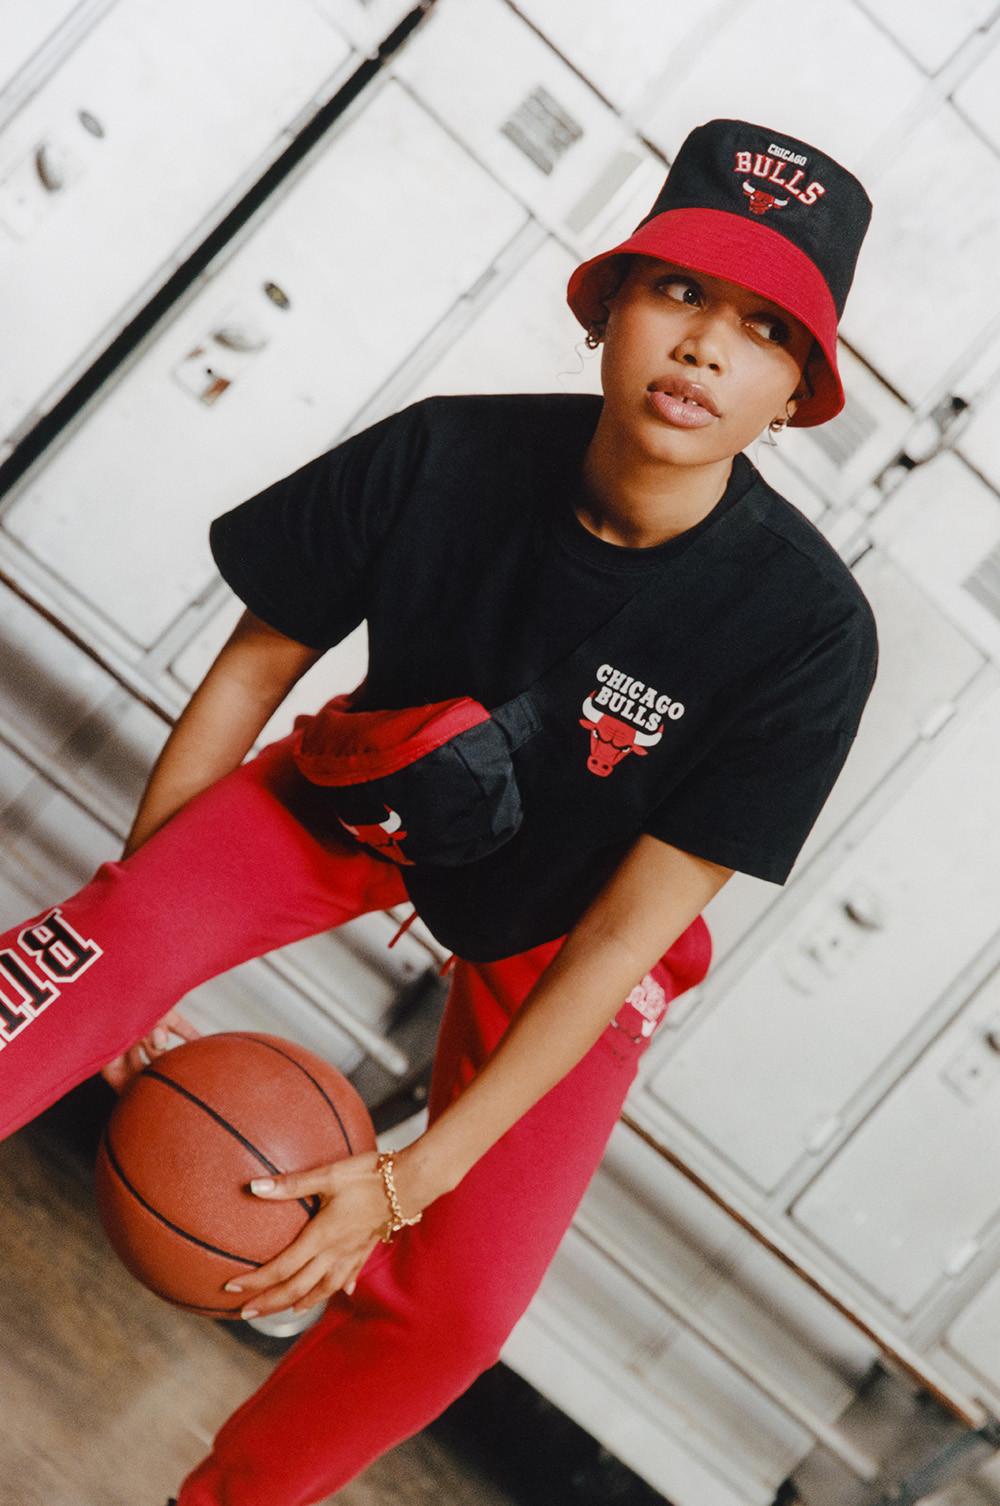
point(922, 254)
point(337, 280)
point(533, 121)
point(817, 50)
point(978, 95)
point(826, 1006)
point(942, 526)
point(600, 41)
point(27, 25)
point(912, 1199)
point(925, 665)
point(117, 166)
point(931, 33)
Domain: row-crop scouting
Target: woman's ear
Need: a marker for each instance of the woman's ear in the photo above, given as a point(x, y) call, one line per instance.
point(608, 279)
point(806, 386)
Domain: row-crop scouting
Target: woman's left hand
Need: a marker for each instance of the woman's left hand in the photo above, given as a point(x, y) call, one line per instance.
point(333, 1246)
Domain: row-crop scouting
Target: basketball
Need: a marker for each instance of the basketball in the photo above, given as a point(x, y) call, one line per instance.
point(186, 1137)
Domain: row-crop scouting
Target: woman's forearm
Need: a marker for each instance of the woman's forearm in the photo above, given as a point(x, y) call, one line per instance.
point(211, 737)
point(651, 899)
point(562, 1016)
point(248, 680)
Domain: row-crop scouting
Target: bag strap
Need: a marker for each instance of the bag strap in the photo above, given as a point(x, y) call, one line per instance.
point(518, 717)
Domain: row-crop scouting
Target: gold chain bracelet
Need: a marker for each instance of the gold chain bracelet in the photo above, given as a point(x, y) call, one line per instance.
point(384, 1166)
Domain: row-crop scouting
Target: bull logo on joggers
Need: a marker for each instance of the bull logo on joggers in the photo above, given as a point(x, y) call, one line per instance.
point(385, 836)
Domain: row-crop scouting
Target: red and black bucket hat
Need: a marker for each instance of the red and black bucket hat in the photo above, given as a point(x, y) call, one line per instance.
point(762, 209)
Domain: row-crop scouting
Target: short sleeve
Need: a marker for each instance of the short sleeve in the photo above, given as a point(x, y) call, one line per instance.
point(301, 554)
point(751, 801)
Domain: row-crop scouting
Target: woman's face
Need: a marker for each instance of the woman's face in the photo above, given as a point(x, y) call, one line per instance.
point(668, 324)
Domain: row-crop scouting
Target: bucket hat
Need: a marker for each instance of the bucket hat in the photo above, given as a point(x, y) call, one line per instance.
point(763, 209)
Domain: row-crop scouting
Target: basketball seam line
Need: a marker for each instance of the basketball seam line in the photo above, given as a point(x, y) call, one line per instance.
point(245, 1036)
point(229, 1128)
point(193, 1238)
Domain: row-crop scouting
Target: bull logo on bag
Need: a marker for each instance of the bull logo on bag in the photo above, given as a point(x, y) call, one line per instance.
point(385, 836)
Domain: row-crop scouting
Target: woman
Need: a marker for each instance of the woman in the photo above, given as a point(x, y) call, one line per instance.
point(677, 663)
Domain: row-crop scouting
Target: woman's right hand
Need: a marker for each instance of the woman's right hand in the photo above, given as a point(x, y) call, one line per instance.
point(120, 1072)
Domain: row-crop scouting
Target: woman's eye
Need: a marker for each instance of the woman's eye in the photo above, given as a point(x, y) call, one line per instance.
point(773, 329)
point(680, 287)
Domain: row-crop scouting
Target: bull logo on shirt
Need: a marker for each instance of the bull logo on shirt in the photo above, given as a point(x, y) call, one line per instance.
point(612, 740)
point(384, 836)
point(623, 716)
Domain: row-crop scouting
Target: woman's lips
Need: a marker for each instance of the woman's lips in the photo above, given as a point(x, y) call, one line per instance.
point(677, 411)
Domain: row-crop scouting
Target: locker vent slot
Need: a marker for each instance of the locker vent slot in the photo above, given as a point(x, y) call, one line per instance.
point(842, 438)
point(541, 129)
point(983, 584)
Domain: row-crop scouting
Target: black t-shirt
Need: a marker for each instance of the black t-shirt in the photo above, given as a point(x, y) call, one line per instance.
point(451, 526)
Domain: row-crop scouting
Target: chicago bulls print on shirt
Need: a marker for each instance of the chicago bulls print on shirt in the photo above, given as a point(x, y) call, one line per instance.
point(623, 716)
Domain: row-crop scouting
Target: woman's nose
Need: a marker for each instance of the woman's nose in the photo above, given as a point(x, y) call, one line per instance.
point(703, 345)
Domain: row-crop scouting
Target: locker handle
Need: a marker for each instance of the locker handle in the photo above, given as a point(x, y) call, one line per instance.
point(50, 164)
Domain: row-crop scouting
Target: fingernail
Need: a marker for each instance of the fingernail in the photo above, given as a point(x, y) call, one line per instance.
point(232, 1286)
point(250, 1312)
point(350, 1289)
point(160, 1038)
point(262, 1184)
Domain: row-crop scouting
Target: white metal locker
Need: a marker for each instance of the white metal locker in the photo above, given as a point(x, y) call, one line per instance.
point(366, 22)
point(355, 245)
point(978, 95)
point(931, 33)
point(810, 1020)
point(119, 164)
point(909, 1202)
point(533, 122)
point(981, 440)
point(974, 1336)
point(600, 41)
point(925, 665)
point(925, 286)
point(824, 73)
point(942, 526)
point(840, 458)
point(27, 26)
point(520, 337)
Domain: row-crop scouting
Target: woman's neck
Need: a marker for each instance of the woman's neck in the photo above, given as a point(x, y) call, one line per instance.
point(638, 502)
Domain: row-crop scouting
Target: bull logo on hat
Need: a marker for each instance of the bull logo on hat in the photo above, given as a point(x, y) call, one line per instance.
point(761, 202)
point(384, 836)
point(611, 739)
